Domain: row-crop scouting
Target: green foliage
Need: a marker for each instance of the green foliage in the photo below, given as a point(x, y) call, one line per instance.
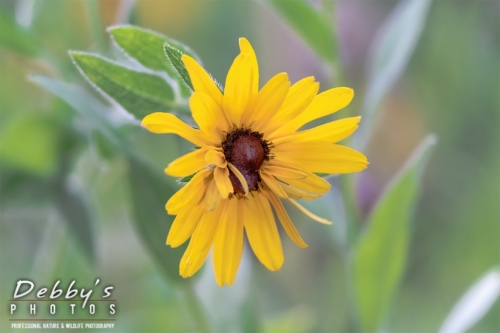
point(187, 179)
point(381, 253)
point(28, 143)
point(139, 93)
point(15, 37)
point(147, 47)
point(306, 295)
point(76, 213)
point(313, 26)
point(391, 52)
point(86, 106)
point(150, 191)
point(174, 56)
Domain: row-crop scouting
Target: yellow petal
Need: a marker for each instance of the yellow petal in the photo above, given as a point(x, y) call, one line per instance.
point(297, 183)
point(191, 194)
point(326, 103)
point(209, 116)
point(212, 197)
point(287, 224)
point(161, 123)
point(309, 214)
point(241, 83)
point(297, 193)
point(228, 243)
point(200, 243)
point(267, 102)
point(246, 48)
point(322, 157)
point(221, 177)
point(184, 225)
point(297, 189)
point(240, 177)
point(284, 172)
point(202, 82)
point(272, 184)
point(188, 164)
point(300, 95)
point(311, 183)
point(333, 132)
point(215, 157)
point(262, 232)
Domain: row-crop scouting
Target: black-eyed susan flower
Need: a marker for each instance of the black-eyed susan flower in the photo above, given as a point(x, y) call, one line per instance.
point(250, 156)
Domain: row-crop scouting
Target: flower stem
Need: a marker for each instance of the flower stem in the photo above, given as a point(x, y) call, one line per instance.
point(337, 78)
point(196, 309)
point(335, 63)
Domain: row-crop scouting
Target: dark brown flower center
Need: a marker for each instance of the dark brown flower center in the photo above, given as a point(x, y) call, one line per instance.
point(246, 150)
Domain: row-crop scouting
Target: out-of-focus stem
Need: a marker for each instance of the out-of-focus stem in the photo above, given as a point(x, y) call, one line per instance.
point(124, 11)
point(347, 183)
point(95, 22)
point(329, 6)
point(195, 308)
point(336, 75)
point(337, 78)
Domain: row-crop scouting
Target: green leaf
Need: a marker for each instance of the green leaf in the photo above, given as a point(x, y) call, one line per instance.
point(313, 26)
point(380, 255)
point(97, 115)
point(391, 52)
point(296, 320)
point(147, 47)
point(87, 106)
point(332, 207)
point(150, 192)
point(15, 37)
point(174, 56)
point(74, 209)
point(139, 93)
point(187, 179)
point(29, 143)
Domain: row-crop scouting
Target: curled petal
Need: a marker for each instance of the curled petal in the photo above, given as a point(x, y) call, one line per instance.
point(221, 177)
point(285, 220)
point(309, 214)
point(215, 157)
point(273, 184)
point(240, 177)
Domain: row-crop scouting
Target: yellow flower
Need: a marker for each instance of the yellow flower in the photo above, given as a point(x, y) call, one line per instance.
point(250, 156)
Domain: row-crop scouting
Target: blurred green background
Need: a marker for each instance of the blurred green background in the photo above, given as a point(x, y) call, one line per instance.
point(67, 205)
